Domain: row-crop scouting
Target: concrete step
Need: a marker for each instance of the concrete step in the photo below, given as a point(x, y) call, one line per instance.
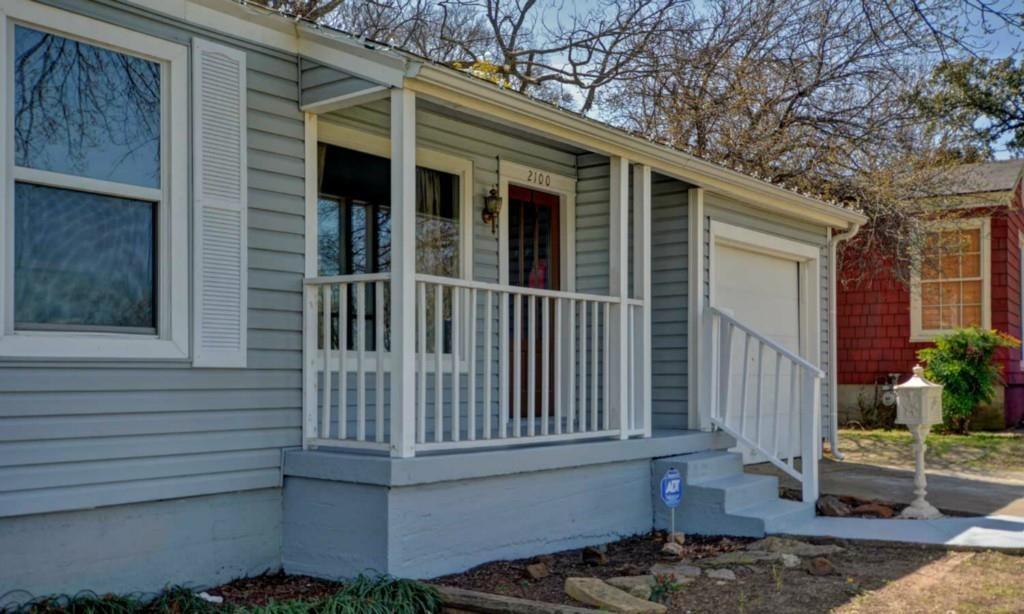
point(732, 492)
point(778, 515)
point(704, 466)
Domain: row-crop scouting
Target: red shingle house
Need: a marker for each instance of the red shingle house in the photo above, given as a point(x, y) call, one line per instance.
point(881, 323)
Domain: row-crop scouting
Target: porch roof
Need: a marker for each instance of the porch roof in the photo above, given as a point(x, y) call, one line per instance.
point(374, 68)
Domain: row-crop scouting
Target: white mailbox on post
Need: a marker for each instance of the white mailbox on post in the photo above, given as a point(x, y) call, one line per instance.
point(919, 406)
point(918, 401)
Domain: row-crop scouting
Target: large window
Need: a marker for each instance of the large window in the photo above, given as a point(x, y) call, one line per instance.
point(354, 228)
point(950, 288)
point(90, 196)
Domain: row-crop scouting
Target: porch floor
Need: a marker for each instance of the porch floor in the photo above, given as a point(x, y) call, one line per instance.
point(349, 466)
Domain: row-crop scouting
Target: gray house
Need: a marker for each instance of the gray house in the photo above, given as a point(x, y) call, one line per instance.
point(273, 297)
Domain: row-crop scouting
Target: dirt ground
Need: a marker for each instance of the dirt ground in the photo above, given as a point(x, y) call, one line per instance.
point(869, 578)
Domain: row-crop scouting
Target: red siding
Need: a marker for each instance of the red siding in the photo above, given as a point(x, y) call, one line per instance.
point(873, 317)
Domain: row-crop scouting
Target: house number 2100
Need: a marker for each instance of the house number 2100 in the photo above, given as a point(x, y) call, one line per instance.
point(538, 178)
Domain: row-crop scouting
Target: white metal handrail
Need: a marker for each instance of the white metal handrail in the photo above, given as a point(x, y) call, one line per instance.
point(768, 401)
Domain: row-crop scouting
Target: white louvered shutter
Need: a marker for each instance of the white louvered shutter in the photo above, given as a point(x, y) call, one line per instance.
point(219, 171)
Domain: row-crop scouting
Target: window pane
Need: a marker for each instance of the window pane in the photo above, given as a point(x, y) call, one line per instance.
point(83, 110)
point(83, 260)
point(929, 294)
point(950, 317)
point(970, 265)
point(971, 293)
point(437, 223)
point(972, 315)
point(358, 238)
point(930, 318)
point(950, 267)
point(329, 236)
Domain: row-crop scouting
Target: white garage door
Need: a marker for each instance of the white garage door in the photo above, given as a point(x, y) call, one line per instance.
point(762, 292)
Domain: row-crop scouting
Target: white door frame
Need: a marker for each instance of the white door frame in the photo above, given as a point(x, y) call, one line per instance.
point(511, 173)
point(808, 259)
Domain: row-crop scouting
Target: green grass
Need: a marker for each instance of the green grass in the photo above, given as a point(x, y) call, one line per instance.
point(363, 595)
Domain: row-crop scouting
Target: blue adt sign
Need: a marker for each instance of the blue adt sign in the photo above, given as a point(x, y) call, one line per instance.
point(671, 488)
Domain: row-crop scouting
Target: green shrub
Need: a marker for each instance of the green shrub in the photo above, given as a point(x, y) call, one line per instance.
point(964, 363)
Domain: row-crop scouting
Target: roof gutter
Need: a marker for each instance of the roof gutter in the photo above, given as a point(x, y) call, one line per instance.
point(471, 94)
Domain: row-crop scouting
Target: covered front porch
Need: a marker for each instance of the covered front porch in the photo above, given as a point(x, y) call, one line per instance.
point(492, 290)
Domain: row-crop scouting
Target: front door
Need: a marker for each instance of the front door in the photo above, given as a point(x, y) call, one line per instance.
point(533, 262)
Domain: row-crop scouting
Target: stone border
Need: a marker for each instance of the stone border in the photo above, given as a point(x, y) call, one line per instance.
point(462, 600)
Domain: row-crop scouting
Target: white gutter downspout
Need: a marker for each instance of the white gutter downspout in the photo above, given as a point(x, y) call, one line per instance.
point(833, 363)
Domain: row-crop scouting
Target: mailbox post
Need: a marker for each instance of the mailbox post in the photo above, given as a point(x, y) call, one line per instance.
point(919, 406)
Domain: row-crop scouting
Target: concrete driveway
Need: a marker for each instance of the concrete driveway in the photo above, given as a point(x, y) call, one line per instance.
point(950, 493)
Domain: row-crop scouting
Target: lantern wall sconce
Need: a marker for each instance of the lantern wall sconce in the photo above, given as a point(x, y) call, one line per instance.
point(492, 209)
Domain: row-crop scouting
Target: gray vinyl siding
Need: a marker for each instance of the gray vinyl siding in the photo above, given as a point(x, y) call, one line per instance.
point(727, 210)
point(669, 302)
point(89, 433)
point(592, 233)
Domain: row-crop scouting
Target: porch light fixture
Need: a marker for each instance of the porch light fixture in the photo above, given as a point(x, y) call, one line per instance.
point(492, 208)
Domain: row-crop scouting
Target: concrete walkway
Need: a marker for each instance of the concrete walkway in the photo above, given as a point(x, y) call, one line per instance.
point(997, 532)
point(950, 493)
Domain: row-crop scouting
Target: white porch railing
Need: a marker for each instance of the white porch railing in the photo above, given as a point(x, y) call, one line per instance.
point(765, 396)
point(495, 365)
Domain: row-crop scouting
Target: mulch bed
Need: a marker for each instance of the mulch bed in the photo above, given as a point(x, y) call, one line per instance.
point(274, 587)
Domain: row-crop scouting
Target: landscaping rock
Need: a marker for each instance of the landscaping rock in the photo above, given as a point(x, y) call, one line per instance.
point(537, 571)
point(605, 596)
point(750, 558)
point(593, 556)
point(677, 538)
point(721, 574)
point(672, 550)
point(679, 572)
point(832, 506)
point(820, 567)
point(789, 561)
point(874, 509)
point(638, 586)
point(784, 545)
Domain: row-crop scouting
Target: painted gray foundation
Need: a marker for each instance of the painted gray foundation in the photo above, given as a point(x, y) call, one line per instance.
point(346, 514)
point(140, 548)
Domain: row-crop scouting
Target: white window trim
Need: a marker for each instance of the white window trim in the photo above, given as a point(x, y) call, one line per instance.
point(511, 173)
point(922, 335)
point(319, 129)
point(172, 338)
point(807, 257)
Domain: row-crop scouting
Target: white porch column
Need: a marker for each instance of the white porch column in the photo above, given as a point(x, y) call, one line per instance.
point(618, 286)
point(403, 271)
point(698, 371)
point(642, 290)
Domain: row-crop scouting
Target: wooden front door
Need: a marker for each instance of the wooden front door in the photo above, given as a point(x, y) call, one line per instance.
point(533, 262)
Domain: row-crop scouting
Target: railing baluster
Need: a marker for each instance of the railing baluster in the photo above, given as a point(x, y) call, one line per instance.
point(545, 364)
point(488, 340)
point(724, 363)
point(361, 361)
point(558, 366)
point(343, 361)
point(421, 318)
point(794, 374)
point(633, 388)
point(584, 368)
point(775, 405)
point(438, 368)
point(531, 366)
point(594, 356)
point(744, 383)
point(570, 406)
point(471, 384)
point(503, 352)
point(517, 361)
point(325, 323)
point(378, 391)
point(456, 391)
point(606, 368)
point(760, 388)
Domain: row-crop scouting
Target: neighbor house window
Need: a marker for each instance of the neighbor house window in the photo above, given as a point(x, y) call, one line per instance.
point(354, 227)
point(950, 286)
point(92, 203)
